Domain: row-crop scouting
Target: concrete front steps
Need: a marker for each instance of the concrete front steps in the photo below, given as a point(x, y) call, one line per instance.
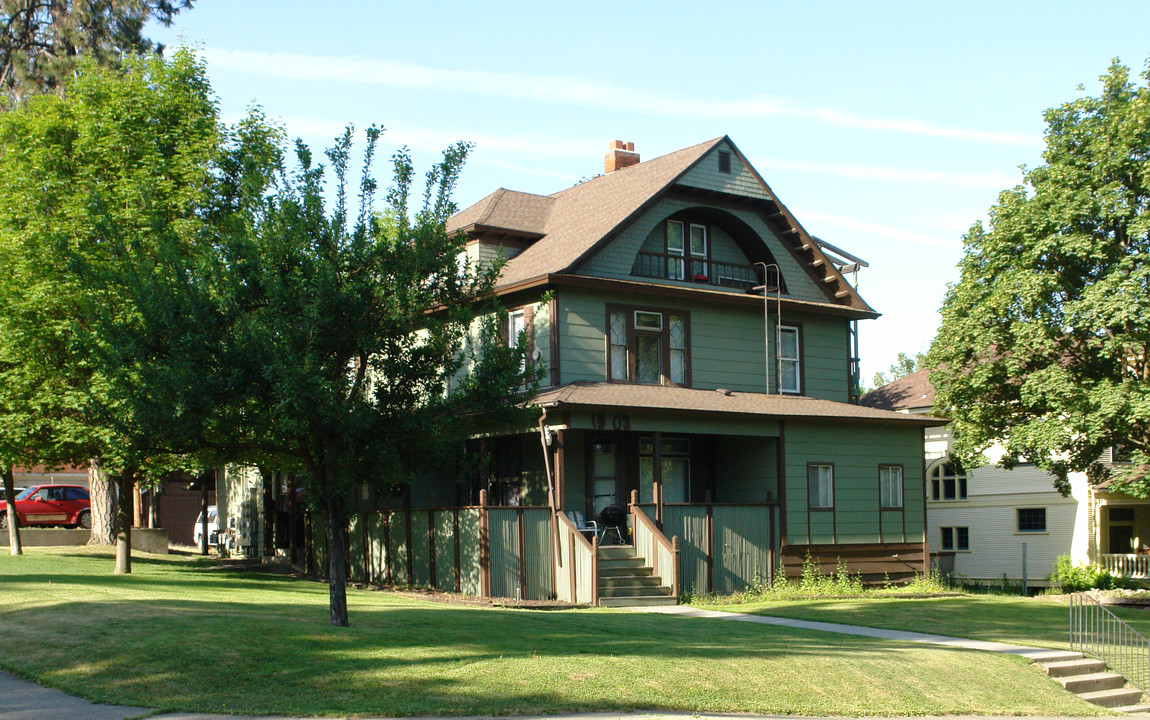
point(1089, 679)
point(624, 581)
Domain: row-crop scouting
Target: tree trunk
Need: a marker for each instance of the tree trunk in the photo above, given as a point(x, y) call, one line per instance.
point(127, 485)
point(103, 496)
point(336, 565)
point(14, 546)
point(204, 517)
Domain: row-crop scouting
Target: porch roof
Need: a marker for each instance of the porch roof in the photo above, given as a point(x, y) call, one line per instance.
point(657, 397)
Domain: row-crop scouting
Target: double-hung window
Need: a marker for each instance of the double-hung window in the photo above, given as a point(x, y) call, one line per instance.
point(516, 324)
point(821, 486)
point(647, 346)
point(686, 251)
point(790, 370)
point(890, 486)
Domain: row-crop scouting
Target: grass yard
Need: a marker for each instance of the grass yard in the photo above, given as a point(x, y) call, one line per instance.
point(177, 635)
point(1004, 618)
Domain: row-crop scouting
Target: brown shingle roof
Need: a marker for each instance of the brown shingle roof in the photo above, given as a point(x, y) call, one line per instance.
point(655, 397)
point(506, 210)
point(574, 220)
point(909, 392)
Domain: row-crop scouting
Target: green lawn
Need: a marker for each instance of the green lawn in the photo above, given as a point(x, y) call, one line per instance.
point(179, 636)
point(1025, 621)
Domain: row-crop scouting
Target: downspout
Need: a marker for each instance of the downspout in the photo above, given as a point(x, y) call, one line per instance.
point(551, 499)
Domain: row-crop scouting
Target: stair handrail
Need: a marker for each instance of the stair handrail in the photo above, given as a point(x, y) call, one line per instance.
point(591, 547)
point(1096, 631)
point(669, 547)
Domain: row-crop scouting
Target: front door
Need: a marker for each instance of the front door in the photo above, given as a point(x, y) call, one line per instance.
point(604, 474)
point(1121, 539)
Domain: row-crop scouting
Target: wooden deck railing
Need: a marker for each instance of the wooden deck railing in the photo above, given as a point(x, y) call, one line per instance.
point(1132, 566)
point(577, 569)
point(652, 545)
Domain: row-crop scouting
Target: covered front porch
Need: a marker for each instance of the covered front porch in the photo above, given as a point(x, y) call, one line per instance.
point(1122, 535)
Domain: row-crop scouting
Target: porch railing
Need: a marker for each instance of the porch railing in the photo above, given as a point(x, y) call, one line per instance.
point(723, 547)
point(482, 550)
point(652, 545)
point(1135, 566)
point(666, 266)
point(1096, 631)
point(577, 566)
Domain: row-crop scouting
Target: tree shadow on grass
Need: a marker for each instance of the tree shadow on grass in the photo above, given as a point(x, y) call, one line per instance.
point(396, 660)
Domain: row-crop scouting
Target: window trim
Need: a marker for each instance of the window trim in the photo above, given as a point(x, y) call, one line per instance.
point(664, 335)
point(684, 254)
point(798, 328)
point(901, 487)
point(961, 481)
point(1018, 522)
point(954, 544)
point(820, 508)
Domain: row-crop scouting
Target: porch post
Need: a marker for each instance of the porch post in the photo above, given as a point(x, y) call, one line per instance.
point(657, 477)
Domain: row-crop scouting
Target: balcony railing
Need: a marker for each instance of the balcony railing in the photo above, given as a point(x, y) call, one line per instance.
point(1132, 566)
point(711, 272)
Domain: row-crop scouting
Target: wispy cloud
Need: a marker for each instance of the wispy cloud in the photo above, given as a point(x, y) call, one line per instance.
point(574, 91)
point(869, 228)
point(990, 180)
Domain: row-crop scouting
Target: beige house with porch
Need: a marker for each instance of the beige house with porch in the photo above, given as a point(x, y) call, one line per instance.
point(980, 519)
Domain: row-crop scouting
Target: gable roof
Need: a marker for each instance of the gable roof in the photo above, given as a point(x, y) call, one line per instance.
point(910, 392)
point(570, 225)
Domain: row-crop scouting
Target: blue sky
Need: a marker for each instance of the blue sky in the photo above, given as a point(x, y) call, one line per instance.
point(887, 128)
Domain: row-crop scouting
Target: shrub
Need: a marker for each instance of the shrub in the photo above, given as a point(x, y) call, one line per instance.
point(1076, 578)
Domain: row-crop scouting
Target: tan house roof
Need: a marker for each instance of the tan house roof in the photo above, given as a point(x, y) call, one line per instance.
point(910, 392)
point(656, 397)
point(567, 226)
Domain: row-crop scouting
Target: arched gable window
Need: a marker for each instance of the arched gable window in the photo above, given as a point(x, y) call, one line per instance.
point(947, 480)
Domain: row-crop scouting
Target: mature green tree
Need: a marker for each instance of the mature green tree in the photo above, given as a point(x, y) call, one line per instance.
point(904, 365)
point(41, 41)
point(1045, 340)
point(364, 351)
point(41, 44)
point(100, 191)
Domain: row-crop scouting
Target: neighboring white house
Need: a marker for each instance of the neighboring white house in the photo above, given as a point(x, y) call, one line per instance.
point(986, 515)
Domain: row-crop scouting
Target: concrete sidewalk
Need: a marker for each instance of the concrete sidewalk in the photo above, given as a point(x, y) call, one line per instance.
point(1033, 653)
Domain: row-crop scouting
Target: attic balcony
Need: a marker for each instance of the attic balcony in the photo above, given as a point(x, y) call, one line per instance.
point(664, 266)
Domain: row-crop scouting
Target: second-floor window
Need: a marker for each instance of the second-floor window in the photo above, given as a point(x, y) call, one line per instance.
point(790, 361)
point(516, 325)
point(647, 346)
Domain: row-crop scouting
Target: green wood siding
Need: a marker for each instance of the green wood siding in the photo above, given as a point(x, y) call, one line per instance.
point(617, 258)
point(726, 345)
point(856, 451)
point(740, 181)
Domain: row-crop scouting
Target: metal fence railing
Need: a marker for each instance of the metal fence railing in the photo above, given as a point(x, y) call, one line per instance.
point(1094, 630)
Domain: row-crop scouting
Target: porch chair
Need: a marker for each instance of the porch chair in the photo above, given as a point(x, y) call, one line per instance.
point(585, 526)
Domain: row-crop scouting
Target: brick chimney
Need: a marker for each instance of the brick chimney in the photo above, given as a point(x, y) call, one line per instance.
point(619, 155)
